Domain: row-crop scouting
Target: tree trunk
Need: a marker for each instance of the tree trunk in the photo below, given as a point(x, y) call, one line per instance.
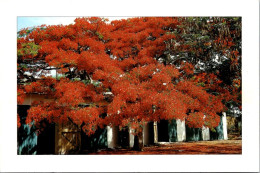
point(138, 142)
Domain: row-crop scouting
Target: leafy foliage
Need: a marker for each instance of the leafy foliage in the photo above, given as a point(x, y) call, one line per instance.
point(154, 68)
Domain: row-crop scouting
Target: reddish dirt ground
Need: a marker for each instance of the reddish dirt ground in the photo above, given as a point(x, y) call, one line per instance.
point(199, 147)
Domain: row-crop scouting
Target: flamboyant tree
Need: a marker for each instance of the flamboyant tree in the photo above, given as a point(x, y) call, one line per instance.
point(213, 45)
point(130, 64)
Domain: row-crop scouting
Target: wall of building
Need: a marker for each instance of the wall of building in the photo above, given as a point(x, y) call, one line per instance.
point(35, 97)
point(69, 138)
point(26, 136)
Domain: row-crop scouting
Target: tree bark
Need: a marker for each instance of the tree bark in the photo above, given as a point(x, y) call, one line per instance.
point(138, 142)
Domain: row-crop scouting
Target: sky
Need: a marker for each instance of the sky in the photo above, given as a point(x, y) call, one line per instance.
point(24, 22)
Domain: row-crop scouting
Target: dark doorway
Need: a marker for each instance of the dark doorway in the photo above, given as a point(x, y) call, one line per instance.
point(172, 127)
point(217, 132)
point(124, 137)
point(163, 135)
point(28, 140)
point(46, 138)
point(94, 142)
point(193, 134)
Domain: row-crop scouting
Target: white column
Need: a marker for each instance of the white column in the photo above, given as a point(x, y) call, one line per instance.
point(205, 134)
point(146, 134)
point(131, 138)
point(181, 130)
point(155, 130)
point(224, 120)
point(112, 136)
